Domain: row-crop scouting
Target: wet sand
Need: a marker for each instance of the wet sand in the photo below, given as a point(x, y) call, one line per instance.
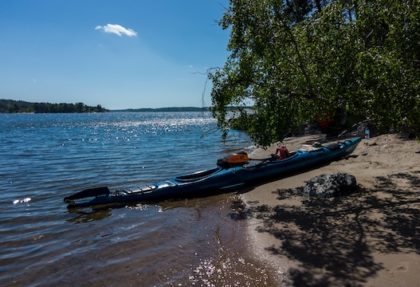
point(369, 238)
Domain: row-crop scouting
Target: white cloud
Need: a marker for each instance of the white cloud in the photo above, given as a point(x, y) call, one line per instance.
point(117, 30)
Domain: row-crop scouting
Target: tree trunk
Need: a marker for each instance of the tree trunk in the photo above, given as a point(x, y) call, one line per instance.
point(318, 5)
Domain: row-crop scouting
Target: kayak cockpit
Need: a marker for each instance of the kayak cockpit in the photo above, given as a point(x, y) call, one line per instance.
point(197, 175)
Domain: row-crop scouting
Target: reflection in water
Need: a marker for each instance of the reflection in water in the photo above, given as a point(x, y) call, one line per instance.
point(84, 215)
point(88, 216)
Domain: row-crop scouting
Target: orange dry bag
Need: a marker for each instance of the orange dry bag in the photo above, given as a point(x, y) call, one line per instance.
point(233, 160)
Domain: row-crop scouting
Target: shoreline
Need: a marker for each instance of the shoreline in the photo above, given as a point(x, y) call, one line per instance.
point(369, 238)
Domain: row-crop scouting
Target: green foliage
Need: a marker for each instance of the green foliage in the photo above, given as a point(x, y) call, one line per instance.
point(298, 61)
point(11, 106)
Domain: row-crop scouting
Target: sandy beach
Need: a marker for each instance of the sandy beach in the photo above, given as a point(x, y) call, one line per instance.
point(369, 238)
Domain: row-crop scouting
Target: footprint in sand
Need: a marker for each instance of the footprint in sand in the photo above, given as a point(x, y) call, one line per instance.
point(401, 267)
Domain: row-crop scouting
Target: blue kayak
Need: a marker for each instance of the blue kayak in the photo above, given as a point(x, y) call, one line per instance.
point(214, 181)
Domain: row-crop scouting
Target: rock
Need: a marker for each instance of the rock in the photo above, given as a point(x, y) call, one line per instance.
point(331, 185)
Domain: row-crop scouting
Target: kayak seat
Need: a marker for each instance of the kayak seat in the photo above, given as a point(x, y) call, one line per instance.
point(333, 146)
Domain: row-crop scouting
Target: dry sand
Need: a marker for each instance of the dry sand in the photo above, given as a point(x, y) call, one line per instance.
point(370, 238)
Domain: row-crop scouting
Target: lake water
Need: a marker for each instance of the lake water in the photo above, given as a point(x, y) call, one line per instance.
point(44, 157)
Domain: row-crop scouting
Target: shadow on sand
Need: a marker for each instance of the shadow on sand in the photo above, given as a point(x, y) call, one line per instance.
point(334, 240)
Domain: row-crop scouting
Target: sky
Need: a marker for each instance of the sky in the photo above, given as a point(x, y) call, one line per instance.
point(119, 54)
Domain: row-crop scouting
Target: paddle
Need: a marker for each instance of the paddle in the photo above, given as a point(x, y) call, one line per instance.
point(90, 192)
point(261, 159)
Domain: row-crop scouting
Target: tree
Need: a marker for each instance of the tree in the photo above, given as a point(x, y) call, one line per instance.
point(297, 61)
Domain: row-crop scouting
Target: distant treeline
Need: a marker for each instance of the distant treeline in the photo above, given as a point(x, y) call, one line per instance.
point(12, 106)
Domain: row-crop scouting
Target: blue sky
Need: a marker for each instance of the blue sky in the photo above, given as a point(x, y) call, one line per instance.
point(120, 54)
